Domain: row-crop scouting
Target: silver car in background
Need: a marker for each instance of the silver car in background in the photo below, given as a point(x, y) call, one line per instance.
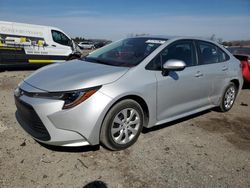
point(86, 45)
point(112, 93)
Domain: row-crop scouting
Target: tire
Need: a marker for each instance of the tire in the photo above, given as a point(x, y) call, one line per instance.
point(228, 98)
point(118, 133)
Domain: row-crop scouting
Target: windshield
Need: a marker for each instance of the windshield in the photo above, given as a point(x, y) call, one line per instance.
point(128, 52)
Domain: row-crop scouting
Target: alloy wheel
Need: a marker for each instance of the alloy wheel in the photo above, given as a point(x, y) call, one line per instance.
point(125, 126)
point(229, 97)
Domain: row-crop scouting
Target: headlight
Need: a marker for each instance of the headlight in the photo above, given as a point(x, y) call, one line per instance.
point(70, 98)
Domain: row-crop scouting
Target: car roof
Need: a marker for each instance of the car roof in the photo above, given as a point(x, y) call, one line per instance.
point(168, 37)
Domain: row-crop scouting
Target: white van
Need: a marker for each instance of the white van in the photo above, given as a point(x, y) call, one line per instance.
point(34, 44)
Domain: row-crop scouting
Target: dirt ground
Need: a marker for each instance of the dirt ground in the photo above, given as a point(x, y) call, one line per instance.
point(210, 149)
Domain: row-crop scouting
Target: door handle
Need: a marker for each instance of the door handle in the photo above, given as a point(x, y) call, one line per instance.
point(198, 74)
point(53, 45)
point(224, 68)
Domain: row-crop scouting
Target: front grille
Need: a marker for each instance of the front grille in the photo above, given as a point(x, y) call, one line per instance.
point(31, 121)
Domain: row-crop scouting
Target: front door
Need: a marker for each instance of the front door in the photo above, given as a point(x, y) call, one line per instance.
point(180, 92)
point(60, 48)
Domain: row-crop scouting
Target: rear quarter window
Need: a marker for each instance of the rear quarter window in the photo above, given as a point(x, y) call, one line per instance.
point(210, 53)
point(222, 55)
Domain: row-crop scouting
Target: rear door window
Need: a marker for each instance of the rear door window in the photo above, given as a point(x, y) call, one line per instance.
point(210, 53)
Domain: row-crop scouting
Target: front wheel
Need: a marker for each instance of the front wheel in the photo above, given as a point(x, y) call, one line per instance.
point(228, 98)
point(122, 125)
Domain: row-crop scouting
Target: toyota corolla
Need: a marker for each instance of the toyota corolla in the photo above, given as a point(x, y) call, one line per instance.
point(115, 91)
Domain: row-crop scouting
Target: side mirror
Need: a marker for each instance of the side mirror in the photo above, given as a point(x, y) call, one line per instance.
point(174, 65)
point(71, 43)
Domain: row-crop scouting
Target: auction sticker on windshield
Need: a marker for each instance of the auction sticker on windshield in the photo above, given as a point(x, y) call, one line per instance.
point(156, 41)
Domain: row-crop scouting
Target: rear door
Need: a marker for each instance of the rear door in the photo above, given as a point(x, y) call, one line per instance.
point(213, 63)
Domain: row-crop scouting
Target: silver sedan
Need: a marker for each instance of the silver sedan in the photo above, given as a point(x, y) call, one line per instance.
point(115, 91)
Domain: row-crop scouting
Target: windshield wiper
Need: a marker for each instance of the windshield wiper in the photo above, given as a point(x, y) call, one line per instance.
point(96, 60)
point(102, 62)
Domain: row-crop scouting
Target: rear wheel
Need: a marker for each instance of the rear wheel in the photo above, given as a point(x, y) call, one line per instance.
point(228, 98)
point(122, 125)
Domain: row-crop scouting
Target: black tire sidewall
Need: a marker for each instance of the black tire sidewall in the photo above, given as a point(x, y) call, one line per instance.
point(106, 137)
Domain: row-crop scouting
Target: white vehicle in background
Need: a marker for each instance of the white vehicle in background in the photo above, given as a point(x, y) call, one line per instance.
point(26, 44)
point(86, 45)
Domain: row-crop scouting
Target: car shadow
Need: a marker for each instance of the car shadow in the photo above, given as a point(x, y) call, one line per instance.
point(246, 85)
point(164, 125)
point(96, 184)
point(144, 131)
point(78, 149)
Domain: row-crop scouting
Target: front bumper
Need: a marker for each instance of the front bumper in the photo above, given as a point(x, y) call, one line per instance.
point(46, 122)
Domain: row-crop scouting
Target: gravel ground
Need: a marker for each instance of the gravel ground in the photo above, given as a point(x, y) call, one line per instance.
point(210, 149)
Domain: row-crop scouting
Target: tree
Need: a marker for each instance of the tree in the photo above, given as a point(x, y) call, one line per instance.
point(78, 39)
point(212, 37)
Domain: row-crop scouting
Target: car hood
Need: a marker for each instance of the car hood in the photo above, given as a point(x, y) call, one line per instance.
point(74, 75)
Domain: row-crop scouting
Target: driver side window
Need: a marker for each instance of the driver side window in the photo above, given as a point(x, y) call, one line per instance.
point(60, 38)
point(181, 50)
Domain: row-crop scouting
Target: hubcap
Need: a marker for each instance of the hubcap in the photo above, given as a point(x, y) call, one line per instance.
point(229, 97)
point(125, 126)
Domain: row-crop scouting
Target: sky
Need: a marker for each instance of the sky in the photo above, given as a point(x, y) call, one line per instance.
point(115, 19)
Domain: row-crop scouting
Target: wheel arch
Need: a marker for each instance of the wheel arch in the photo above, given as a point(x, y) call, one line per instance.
point(236, 83)
point(137, 99)
point(141, 102)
